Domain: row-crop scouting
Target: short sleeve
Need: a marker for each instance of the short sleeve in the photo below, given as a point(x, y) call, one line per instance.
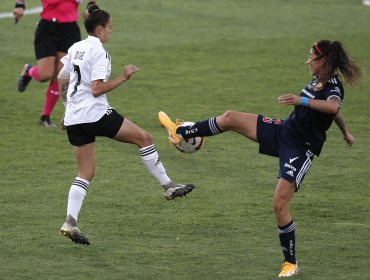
point(100, 66)
point(66, 60)
point(334, 90)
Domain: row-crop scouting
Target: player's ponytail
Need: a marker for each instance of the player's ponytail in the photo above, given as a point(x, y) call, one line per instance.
point(92, 8)
point(337, 59)
point(96, 17)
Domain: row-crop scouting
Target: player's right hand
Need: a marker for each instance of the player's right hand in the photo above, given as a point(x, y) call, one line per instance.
point(62, 126)
point(18, 14)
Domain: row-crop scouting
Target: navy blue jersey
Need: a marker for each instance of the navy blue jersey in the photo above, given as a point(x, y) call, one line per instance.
point(309, 126)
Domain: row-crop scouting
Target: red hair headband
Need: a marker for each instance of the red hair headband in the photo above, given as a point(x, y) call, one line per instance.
point(319, 51)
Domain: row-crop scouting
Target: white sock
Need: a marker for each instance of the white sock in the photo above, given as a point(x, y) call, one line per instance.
point(154, 164)
point(76, 196)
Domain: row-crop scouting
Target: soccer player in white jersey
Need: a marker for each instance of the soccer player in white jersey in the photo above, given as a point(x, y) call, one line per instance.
point(83, 81)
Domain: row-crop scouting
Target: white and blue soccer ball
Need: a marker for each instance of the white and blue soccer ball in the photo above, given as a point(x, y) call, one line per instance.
point(190, 145)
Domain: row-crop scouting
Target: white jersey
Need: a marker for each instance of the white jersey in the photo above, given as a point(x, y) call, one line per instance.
point(86, 61)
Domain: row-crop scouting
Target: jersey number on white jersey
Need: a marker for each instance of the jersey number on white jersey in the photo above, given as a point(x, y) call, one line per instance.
point(76, 69)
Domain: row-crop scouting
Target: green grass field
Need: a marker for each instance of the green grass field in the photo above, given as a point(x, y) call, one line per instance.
point(197, 59)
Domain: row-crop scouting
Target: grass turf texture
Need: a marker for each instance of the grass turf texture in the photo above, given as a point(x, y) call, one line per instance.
point(197, 59)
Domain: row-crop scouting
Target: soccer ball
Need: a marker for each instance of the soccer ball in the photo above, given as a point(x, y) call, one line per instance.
point(190, 145)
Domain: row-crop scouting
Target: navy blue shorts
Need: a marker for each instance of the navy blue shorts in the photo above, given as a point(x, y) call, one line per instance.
point(85, 133)
point(295, 160)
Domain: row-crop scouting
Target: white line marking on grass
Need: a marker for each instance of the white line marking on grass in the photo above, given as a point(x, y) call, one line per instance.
point(27, 12)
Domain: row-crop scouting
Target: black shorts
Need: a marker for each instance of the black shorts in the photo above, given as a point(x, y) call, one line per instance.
point(295, 159)
point(52, 37)
point(85, 133)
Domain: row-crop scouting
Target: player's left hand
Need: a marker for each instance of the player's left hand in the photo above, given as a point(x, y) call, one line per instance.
point(129, 70)
point(289, 99)
point(85, 14)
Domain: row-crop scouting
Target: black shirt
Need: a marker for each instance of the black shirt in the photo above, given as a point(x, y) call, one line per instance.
point(308, 126)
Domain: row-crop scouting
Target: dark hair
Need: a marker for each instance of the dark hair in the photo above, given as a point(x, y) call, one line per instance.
point(95, 18)
point(337, 58)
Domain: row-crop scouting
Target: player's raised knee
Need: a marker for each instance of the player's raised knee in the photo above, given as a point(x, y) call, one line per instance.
point(147, 139)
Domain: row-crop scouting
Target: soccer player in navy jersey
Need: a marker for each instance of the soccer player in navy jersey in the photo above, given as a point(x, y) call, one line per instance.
point(294, 140)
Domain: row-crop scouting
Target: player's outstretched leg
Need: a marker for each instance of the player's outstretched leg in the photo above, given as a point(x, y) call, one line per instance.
point(289, 269)
point(70, 230)
point(173, 190)
point(24, 79)
point(171, 127)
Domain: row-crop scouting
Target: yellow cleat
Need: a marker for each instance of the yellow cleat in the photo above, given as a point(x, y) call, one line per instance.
point(289, 269)
point(171, 127)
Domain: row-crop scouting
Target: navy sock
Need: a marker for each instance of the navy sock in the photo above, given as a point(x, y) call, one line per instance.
point(287, 241)
point(202, 128)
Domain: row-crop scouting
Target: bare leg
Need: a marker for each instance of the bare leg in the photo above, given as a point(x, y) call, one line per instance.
point(243, 123)
point(283, 194)
point(46, 67)
point(133, 134)
point(52, 94)
point(85, 157)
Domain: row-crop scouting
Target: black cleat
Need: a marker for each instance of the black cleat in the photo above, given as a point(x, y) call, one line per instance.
point(24, 79)
point(70, 230)
point(46, 121)
point(177, 190)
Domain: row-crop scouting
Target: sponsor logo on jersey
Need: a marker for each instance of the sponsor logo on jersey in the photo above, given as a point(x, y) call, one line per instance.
point(306, 92)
